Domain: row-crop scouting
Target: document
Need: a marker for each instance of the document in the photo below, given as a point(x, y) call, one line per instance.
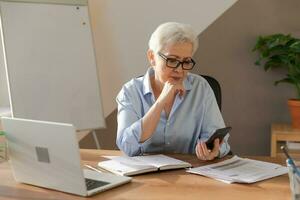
point(128, 166)
point(293, 145)
point(240, 170)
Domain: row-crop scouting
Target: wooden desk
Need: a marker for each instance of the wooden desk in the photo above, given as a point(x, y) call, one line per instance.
point(174, 184)
point(280, 134)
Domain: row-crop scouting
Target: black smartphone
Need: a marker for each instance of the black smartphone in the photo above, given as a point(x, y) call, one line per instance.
point(219, 133)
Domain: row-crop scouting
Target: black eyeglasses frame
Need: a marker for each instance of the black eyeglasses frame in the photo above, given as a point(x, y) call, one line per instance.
point(179, 62)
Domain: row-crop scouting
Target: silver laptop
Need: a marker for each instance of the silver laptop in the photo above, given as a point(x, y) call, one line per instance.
point(46, 154)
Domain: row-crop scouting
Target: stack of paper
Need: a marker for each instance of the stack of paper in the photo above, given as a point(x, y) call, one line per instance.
point(293, 145)
point(240, 170)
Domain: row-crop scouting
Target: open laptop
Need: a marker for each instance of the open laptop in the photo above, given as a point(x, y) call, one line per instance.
point(46, 154)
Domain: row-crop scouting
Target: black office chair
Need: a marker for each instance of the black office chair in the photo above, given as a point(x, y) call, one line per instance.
point(214, 84)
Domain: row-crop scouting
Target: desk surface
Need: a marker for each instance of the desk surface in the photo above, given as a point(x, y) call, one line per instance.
point(174, 184)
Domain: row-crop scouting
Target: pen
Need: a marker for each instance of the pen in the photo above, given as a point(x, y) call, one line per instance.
point(290, 160)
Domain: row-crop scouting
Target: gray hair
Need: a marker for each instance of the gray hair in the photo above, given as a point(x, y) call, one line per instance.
point(171, 33)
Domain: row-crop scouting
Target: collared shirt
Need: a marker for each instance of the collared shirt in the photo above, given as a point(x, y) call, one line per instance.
point(193, 117)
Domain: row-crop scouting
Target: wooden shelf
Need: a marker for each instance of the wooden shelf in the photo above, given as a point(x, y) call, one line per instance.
point(280, 133)
point(294, 153)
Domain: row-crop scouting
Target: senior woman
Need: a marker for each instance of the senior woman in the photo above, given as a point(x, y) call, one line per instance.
point(169, 109)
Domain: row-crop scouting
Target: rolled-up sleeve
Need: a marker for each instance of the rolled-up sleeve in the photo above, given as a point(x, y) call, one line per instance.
point(212, 121)
point(129, 125)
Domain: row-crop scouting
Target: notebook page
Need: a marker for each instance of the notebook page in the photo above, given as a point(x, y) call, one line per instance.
point(161, 161)
point(125, 168)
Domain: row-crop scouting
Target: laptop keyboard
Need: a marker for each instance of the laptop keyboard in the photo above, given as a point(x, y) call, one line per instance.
point(92, 184)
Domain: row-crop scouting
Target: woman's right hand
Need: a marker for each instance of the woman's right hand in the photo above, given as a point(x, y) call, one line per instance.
point(170, 89)
point(151, 119)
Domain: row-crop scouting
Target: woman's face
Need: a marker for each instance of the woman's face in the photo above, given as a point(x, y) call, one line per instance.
point(163, 73)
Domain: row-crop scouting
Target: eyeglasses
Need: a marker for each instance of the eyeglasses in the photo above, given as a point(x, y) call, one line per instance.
point(174, 63)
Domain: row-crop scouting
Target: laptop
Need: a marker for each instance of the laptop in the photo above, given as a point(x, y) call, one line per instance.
point(46, 154)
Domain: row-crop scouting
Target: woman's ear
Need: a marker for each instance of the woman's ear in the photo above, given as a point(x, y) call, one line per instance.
point(151, 58)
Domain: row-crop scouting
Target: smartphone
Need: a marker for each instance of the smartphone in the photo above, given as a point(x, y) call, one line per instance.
point(219, 133)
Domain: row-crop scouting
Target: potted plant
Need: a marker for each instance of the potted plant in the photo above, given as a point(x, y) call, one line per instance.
point(279, 50)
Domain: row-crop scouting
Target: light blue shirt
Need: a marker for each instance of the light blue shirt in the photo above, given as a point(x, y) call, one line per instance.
point(192, 117)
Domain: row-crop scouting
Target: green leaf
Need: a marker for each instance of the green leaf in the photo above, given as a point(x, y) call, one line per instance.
point(295, 47)
point(272, 63)
point(285, 80)
point(280, 51)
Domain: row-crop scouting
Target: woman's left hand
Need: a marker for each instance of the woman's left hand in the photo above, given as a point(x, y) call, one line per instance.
point(203, 153)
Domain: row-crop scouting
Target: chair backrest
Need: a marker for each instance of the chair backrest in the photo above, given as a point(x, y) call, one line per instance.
point(214, 84)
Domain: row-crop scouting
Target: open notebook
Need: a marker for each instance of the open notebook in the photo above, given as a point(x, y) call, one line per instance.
point(128, 166)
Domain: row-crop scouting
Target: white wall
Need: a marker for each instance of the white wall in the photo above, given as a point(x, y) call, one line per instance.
point(121, 31)
point(122, 28)
point(4, 100)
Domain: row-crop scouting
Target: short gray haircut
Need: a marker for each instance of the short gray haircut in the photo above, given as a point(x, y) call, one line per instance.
point(172, 33)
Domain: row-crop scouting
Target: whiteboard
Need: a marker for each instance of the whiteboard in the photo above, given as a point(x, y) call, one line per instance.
point(51, 63)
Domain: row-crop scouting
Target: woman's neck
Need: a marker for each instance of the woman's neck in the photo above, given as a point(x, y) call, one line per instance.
point(156, 85)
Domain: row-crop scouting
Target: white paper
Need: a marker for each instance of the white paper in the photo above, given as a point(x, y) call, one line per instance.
point(126, 160)
point(293, 145)
point(159, 160)
point(125, 168)
point(241, 170)
point(109, 157)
